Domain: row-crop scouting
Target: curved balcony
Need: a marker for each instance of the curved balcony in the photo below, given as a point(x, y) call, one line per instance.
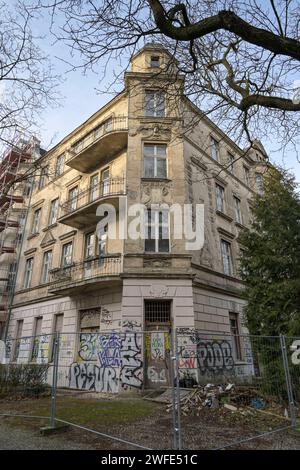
point(103, 142)
point(86, 275)
point(80, 211)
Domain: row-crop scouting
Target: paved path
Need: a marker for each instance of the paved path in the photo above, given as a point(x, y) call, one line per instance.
point(12, 438)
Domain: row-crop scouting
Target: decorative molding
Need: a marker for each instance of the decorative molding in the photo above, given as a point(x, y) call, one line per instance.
point(74, 180)
point(199, 164)
point(219, 179)
point(50, 227)
point(67, 235)
point(225, 216)
point(158, 291)
point(157, 263)
point(48, 239)
point(38, 203)
point(224, 232)
point(30, 251)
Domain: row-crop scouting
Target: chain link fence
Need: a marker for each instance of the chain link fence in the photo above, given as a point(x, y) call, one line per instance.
point(183, 389)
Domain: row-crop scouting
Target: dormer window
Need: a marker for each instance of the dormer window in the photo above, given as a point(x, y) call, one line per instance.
point(155, 61)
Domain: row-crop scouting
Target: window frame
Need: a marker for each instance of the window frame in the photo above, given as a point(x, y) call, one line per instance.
point(62, 264)
point(50, 221)
point(237, 210)
point(156, 103)
point(49, 266)
point(28, 278)
point(222, 199)
point(236, 336)
point(155, 157)
point(214, 145)
point(36, 221)
point(60, 163)
point(158, 228)
point(226, 243)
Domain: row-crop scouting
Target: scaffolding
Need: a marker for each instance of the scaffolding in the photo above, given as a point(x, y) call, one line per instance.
point(15, 188)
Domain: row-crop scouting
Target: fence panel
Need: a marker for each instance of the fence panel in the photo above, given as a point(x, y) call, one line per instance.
point(238, 388)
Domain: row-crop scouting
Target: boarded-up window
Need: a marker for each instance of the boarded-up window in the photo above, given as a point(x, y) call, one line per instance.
point(89, 320)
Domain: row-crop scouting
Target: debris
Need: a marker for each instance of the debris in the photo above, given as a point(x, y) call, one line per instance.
point(257, 403)
point(230, 407)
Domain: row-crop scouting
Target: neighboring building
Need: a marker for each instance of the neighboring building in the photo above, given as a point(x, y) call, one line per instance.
point(140, 145)
point(14, 198)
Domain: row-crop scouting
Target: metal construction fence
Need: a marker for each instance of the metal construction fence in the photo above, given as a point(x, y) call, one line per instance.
point(156, 389)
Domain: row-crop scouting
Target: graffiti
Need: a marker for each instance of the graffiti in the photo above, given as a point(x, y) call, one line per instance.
point(214, 356)
point(157, 346)
point(156, 375)
point(109, 354)
point(90, 377)
point(106, 317)
point(8, 346)
point(131, 363)
point(187, 363)
point(296, 354)
point(89, 346)
point(131, 325)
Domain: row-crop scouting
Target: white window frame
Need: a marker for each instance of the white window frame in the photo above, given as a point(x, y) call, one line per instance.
point(155, 229)
point(158, 97)
point(53, 211)
point(73, 198)
point(28, 273)
point(226, 257)
point(215, 149)
point(60, 163)
point(36, 221)
point(70, 255)
point(155, 156)
point(220, 198)
point(89, 246)
point(46, 266)
point(237, 210)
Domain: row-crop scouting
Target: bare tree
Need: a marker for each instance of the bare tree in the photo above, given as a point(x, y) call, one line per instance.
point(27, 82)
point(240, 57)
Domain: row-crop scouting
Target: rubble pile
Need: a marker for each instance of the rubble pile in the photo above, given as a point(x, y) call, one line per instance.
point(214, 396)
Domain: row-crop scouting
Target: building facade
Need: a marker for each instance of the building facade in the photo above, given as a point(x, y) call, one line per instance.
point(149, 145)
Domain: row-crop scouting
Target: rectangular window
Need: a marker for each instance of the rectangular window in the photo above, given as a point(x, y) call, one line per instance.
point(57, 328)
point(247, 175)
point(231, 163)
point(36, 221)
point(226, 257)
point(234, 328)
point(214, 149)
point(155, 62)
point(43, 177)
point(36, 339)
point(237, 210)
point(157, 311)
point(155, 161)
point(105, 182)
point(157, 231)
point(220, 198)
point(66, 257)
point(89, 248)
point(28, 273)
point(60, 163)
point(53, 211)
point(94, 188)
point(259, 183)
point(73, 198)
point(154, 103)
point(18, 339)
point(47, 262)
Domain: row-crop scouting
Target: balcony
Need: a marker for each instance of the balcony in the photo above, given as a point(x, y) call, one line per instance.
point(99, 145)
point(80, 211)
point(86, 275)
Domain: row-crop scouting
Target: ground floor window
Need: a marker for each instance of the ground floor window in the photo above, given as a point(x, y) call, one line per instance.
point(157, 311)
point(235, 331)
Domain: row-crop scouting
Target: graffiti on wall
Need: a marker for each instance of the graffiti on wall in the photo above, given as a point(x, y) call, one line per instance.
point(214, 356)
point(92, 377)
point(131, 361)
point(106, 361)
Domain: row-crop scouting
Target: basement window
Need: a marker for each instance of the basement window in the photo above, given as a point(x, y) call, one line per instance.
point(157, 311)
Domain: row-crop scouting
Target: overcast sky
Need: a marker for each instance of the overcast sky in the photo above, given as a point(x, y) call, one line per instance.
point(80, 98)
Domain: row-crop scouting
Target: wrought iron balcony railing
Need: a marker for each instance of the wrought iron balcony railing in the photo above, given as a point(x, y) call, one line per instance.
point(104, 189)
point(94, 268)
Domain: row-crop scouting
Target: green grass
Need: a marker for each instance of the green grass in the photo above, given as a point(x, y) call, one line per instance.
point(88, 412)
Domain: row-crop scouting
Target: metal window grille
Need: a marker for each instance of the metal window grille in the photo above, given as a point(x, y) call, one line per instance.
point(157, 311)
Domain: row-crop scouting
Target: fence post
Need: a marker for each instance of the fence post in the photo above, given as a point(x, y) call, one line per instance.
point(54, 379)
point(172, 379)
point(288, 380)
point(177, 392)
